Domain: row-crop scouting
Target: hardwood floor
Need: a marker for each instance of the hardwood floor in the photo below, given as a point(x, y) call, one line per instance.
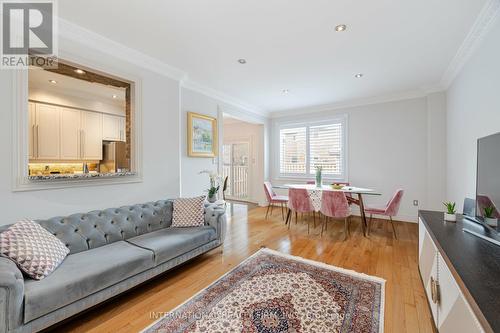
point(406, 309)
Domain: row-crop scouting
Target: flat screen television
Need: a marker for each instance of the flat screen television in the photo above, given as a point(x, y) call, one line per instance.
point(488, 179)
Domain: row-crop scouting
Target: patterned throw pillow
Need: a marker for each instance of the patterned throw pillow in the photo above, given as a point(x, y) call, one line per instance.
point(188, 212)
point(35, 250)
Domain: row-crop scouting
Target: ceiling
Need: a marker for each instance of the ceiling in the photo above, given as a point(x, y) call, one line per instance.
point(40, 79)
point(399, 45)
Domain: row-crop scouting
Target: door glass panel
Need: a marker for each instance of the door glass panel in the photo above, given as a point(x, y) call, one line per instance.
point(235, 160)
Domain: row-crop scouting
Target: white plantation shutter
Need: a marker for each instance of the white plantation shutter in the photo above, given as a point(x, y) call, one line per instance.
point(293, 155)
point(303, 147)
point(325, 148)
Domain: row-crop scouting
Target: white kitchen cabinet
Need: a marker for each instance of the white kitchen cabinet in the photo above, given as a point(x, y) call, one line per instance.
point(122, 125)
point(31, 130)
point(47, 132)
point(91, 135)
point(113, 128)
point(70, 134)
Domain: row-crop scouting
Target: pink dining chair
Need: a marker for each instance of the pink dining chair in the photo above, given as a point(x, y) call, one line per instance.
point(334, 205)
point(273, 198)
point(390, 209)
point(299, 201)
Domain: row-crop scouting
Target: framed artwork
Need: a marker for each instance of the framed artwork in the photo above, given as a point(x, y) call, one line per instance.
point(202, 135)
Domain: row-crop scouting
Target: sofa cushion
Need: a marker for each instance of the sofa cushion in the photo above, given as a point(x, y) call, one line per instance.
point(188, 212)
point(35, 250)
point(82, 274)
point(172, 242)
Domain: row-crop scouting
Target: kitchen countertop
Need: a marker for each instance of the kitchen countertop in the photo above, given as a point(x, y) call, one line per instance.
point(77, 176)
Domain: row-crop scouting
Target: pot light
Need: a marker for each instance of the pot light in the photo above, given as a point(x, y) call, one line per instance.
point(341, 27)
point(53, 81)
point(115, 97)
point(242, 61)
point(358, 76)
point(79, 71)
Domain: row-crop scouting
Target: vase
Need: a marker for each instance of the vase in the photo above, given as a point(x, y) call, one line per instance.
point(212, 198)
point(318, 180)
point(450, 217)
point(491, 221)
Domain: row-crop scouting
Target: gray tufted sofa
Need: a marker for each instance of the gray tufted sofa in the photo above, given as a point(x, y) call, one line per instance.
point(111, 251)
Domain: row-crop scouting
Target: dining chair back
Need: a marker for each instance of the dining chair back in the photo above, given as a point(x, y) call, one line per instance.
point(224, 188)
point(268, 189)
point(393, 204)
point(334, 204)
point(391, 209)
point(274, 199)
point(299, 201)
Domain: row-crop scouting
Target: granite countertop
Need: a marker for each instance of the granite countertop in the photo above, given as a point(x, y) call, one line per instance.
point(77, 176)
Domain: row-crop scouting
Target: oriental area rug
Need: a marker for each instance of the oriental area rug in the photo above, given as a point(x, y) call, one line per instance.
point(271, 292)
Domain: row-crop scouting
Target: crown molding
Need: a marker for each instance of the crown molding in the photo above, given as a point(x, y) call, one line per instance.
point(483, 24)
point(411, 94)
point(94, 40)
point(224, 98)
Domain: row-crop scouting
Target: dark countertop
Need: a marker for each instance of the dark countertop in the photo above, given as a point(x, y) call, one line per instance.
point(474, 260)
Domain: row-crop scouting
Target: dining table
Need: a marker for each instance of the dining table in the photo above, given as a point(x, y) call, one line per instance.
point(315, 193)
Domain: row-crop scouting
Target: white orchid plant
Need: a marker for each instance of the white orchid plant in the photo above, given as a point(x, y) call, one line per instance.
point(215, 182)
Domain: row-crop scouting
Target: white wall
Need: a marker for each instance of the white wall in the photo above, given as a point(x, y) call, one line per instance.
point(192, 183)
point(253, 133)
point(388, 149)
point(473, 112)
point(161, 164)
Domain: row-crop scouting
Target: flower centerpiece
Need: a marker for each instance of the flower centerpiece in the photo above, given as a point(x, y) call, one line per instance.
point(319, 171)
point(215, 181)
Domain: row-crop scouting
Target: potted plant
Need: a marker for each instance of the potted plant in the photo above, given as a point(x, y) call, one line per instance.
point(449, 215)
point(319, 171)
point(213, 190)
point(489, 216)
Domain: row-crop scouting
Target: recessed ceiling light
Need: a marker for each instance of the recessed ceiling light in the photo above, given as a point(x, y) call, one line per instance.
point(341, 27)
point(359, 75)
point(115, 97)
point(53, 81)
point(242, 61)
point(285, 91)
point(79, 71)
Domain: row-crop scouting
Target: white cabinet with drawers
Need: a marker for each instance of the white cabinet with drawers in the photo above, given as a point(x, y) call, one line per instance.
point(65, 134)
point(113, 128)
point(450, 309)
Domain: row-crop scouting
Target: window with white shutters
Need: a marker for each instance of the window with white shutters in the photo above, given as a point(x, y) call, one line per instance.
point(325, 148)
point(304, 147)
point(293, 158)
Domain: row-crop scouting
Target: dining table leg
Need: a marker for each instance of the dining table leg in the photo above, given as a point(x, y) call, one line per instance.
point(364, 224)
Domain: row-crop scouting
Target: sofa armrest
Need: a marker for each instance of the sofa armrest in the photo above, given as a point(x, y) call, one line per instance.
point(216, 217)
point(11, 296)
